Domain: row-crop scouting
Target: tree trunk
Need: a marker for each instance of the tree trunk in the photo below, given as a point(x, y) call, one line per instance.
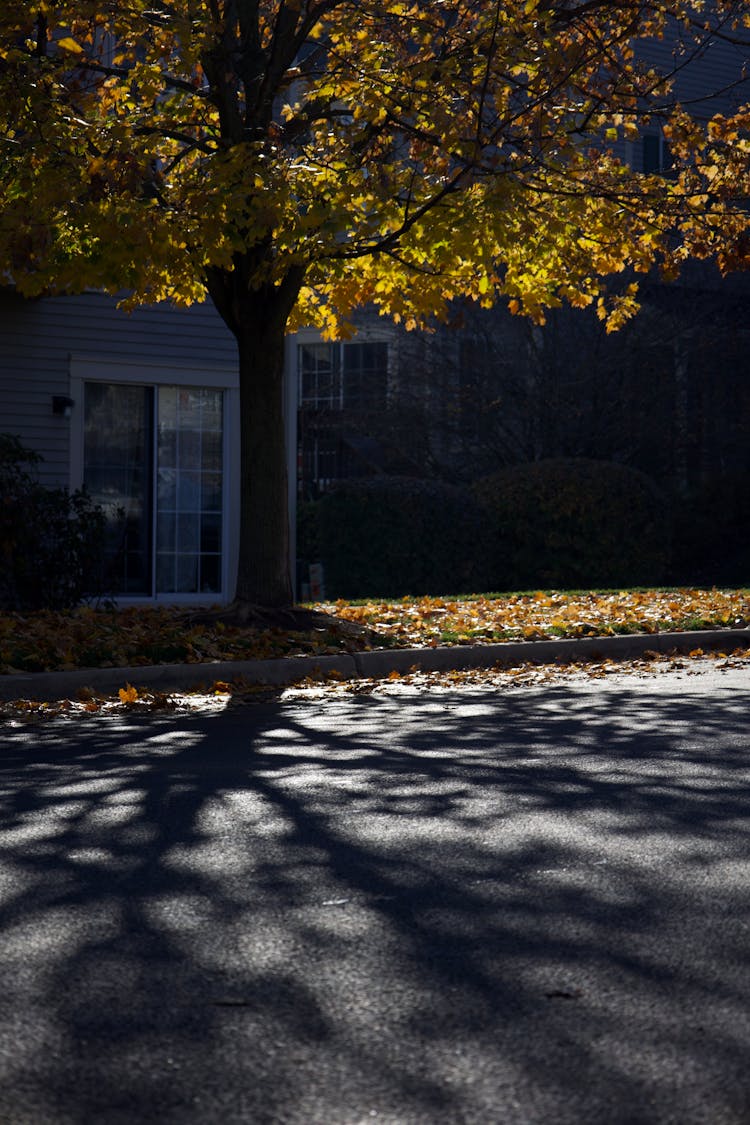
point(257, 316)
point(263, 574)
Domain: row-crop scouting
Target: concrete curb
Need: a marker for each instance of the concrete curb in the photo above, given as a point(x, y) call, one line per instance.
point(47, 686)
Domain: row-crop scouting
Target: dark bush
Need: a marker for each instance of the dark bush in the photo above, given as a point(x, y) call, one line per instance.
point(308, 531)
point(711, 538)
point(52, 542)
point(393, 536)
point(574, 523)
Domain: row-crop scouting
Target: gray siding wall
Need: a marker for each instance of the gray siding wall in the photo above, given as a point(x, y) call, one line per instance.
point(37, 339)
point(713, 81)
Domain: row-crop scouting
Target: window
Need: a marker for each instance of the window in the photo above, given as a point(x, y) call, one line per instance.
point(155, 454)
point(656, 156)
point(365, 379)
point(319, 377)
point(350, 376)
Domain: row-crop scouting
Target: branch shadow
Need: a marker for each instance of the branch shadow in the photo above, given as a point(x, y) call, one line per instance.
point(527, 908)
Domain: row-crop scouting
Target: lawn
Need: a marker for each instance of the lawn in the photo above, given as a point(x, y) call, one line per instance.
point(105, 638)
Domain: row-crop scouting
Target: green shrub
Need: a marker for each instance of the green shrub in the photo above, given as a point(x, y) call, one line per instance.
point(574, 523)
point(52, 542)
point(392, 536)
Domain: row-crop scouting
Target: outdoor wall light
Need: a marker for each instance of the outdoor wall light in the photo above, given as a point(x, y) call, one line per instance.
point(62, 406)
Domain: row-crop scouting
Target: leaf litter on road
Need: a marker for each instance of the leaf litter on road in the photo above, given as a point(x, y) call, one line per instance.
point(221, 694)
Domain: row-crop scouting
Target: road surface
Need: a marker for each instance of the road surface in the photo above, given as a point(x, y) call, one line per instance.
point(528, 906)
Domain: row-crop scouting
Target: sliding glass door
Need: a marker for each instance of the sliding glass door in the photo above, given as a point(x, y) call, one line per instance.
point(153, 457)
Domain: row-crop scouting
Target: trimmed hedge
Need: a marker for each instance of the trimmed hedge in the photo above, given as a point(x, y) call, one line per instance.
point(568, 523)
point(393, 536)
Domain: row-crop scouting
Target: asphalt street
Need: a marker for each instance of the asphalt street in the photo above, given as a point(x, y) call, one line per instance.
point(527, 906)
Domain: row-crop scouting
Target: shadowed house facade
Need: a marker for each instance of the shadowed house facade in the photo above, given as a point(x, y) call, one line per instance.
point(141, 409)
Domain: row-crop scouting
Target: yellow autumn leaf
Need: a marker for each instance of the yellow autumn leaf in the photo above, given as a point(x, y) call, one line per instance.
point(68, 44)
point(128, 694)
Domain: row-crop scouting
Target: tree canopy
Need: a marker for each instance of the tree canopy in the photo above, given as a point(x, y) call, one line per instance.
point(399, 152)
point(295, 159)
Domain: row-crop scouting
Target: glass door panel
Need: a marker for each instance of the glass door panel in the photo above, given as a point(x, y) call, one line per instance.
point(189, 490)
point(117, 471)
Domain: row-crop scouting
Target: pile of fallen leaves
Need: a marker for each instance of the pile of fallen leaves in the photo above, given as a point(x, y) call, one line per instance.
point(113, 638)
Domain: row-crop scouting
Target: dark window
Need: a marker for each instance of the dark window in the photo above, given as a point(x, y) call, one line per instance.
point(320, 385)
point(350, 376)
point(656, 154)
point(365, 376)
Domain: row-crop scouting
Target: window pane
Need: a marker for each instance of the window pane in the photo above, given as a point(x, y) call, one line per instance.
point(188, 491)
point(165, 573)
point(189, 449)
point(211, 411)
point(168, 408)
point(211, 534)
point(210, 574)
point(211, 492)
point(166, 531)
point(188, 534)
point(167, 488)
point(167, 448)
point(211, 451)
point(187, 574)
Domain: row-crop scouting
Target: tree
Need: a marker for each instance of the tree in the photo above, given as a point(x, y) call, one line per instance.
point(295, 159)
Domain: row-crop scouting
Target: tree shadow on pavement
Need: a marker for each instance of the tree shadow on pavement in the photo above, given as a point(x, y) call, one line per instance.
point(521, 908)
